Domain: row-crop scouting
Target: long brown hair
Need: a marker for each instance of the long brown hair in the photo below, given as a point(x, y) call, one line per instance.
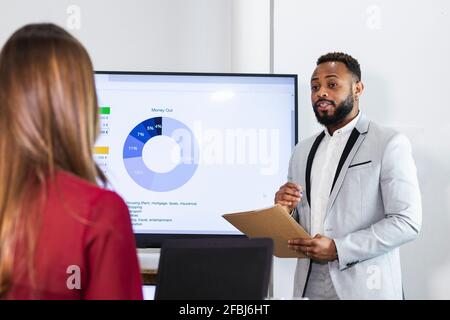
point(48, 122)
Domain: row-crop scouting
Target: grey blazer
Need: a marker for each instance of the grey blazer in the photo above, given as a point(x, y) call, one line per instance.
point(374, 207)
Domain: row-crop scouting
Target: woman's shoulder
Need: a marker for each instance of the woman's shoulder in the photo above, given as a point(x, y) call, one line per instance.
point(85, 197)
point(68, 183)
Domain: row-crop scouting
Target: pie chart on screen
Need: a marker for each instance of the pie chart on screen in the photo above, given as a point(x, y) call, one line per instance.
point(160, 154)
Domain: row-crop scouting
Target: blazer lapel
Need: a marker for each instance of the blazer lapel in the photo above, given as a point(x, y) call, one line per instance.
point(309, 162)
point(354, 141)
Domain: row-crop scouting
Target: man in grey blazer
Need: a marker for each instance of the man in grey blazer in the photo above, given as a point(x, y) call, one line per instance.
point(354, 188)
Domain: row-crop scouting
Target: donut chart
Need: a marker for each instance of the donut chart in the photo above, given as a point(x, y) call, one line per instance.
point(157, 181)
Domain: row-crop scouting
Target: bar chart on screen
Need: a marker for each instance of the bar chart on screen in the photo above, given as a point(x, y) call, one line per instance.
point(101, 152)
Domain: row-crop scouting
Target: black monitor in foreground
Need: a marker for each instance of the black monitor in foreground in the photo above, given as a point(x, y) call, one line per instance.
point(214, 269)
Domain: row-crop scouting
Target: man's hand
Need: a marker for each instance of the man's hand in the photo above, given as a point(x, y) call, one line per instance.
point(319, 248)
point(289, 195)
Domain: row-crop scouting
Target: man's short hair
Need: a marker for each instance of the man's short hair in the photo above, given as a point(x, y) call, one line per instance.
point(351, 63)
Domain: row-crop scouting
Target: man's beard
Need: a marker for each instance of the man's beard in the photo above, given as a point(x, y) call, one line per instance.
point(340, 112)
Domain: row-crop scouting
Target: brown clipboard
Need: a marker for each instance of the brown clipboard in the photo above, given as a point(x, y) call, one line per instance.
point(274, 222)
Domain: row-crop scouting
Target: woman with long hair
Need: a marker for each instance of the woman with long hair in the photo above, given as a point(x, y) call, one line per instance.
point(61, 235)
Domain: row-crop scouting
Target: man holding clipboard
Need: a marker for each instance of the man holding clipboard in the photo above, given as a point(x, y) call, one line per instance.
point(354, 188)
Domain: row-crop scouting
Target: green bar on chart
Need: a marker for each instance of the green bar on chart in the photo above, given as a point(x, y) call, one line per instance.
point(104, 110)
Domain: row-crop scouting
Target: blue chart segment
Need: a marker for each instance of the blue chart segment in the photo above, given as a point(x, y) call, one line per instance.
point(156, 181)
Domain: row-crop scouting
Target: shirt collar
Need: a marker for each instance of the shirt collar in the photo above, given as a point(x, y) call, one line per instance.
point(345, 129)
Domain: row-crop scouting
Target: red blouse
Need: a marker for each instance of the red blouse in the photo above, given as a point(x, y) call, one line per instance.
point(85, 248)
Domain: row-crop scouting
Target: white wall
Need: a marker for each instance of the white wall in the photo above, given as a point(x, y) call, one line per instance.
point(250, 36)
point(404, 52)
point(144, 35)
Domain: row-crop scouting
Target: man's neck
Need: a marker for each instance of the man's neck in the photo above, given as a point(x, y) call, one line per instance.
point(336, 126)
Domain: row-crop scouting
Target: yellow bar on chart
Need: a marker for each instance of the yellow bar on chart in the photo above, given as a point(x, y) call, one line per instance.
point(101, 150)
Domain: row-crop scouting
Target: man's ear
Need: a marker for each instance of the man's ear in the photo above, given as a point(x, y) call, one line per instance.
point(358, 89)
